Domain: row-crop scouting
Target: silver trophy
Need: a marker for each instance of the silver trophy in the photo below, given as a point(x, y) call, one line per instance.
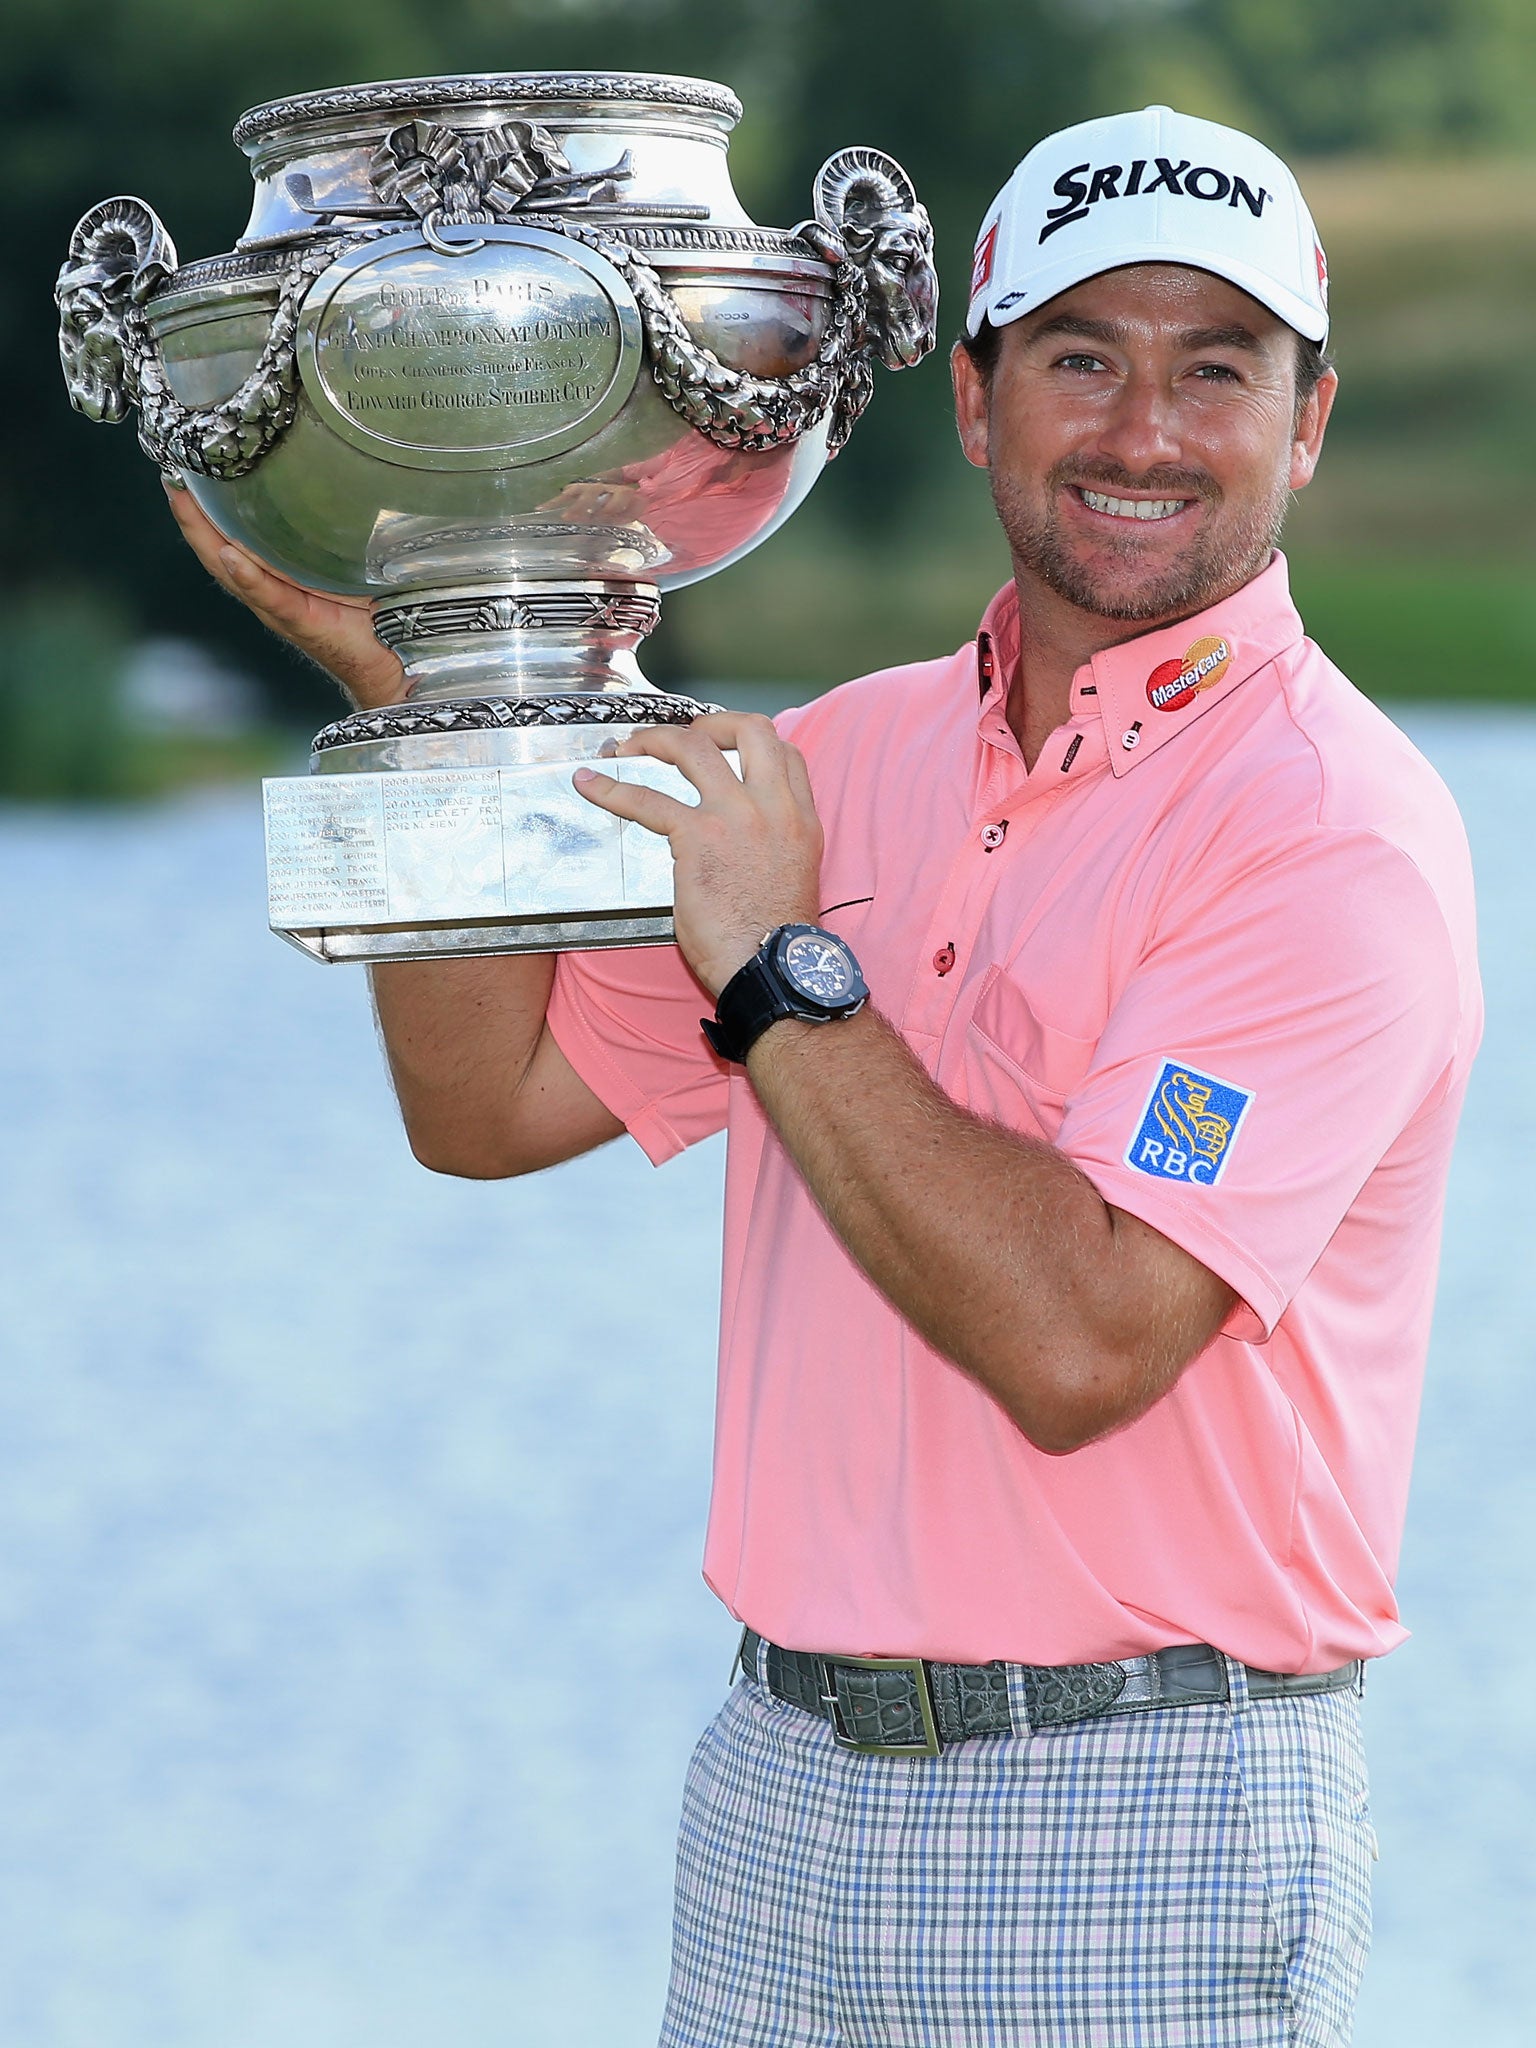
point(504, 354)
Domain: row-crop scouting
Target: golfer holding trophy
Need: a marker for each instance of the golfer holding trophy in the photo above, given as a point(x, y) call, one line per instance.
point(1089, 1009)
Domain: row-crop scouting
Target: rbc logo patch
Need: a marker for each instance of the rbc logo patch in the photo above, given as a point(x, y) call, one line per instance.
point(1188, 1126)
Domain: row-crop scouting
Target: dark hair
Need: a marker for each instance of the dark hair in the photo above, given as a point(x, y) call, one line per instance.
point(1311, 360)
point(982, 347)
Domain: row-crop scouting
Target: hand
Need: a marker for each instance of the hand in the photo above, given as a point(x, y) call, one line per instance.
point(747, 855)
point(335, 632)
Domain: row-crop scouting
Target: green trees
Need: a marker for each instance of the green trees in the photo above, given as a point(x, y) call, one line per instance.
point(139, 95)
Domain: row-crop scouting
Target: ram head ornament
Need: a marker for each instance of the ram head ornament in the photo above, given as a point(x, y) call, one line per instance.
point(869, 214)
point(118, 255)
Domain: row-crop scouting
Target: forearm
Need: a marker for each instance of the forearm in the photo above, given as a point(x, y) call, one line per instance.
point(460, 1037)
point(482, 1087)
point(1073, 1314)
point(994, 1246)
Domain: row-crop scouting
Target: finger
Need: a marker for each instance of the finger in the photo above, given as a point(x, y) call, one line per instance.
point(754, 739)
point(632, 800)
point(197, 529)
point(339, 637)
point(294, 603)
point(250, 578)
point(232, 566)
point(281, 606)
point(229, 566)
point(799, 777)
point(699, 758)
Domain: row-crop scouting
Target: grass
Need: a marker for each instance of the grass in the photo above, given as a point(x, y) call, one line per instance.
point(156, 763)
point(1424, 630)
point(1433, 439)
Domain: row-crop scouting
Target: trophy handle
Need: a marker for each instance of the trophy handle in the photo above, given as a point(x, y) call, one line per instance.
point(869, 226)
point(872, 229)
point(119, 255)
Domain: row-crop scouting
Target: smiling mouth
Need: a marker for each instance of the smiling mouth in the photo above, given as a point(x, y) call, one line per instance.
point(1130, 508)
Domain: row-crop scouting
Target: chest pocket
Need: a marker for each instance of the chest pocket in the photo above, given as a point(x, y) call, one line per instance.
point(1020, 1069)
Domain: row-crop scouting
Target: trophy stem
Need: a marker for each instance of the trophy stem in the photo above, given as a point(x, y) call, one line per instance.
point(517, 637)
point(505, 673)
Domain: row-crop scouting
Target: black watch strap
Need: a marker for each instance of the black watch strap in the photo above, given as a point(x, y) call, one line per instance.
point(750, 1001)
point(761, 993)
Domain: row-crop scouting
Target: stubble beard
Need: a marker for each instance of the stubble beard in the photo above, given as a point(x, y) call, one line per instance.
point(1224, 556)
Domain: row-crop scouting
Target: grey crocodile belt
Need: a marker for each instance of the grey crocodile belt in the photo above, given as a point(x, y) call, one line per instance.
point(906, 1706)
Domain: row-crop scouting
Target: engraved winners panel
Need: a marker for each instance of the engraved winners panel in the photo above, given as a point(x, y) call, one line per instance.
point(367, 851)
point(517, 349)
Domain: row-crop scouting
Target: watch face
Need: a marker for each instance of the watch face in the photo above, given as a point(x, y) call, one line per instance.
point(819, 967)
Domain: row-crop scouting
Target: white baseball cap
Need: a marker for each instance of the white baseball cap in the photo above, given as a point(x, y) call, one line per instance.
point(1153, 187)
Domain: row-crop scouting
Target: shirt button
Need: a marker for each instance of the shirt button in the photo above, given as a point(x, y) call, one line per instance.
point(944, 959)
point(992, 836)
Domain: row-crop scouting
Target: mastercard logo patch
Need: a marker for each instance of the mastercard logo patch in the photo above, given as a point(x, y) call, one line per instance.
point(1173, 684)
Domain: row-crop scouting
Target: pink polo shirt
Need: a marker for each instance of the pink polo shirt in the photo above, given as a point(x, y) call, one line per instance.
point(1218, 947)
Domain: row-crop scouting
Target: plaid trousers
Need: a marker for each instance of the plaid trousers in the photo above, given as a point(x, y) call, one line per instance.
point(1193, 1877)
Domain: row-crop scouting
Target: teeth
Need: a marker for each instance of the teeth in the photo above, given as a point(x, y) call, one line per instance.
point(1132, 508)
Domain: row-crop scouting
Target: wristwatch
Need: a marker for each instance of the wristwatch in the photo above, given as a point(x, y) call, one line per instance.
point(798, 971)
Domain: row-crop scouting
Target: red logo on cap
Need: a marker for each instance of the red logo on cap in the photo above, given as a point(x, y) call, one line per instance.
point(1322, 271)
point(981, 268)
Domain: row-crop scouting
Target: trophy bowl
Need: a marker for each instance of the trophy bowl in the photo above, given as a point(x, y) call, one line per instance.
point(503, 354)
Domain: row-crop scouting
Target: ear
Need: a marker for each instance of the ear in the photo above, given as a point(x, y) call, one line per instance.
point(973, 406)
point(1307, 443)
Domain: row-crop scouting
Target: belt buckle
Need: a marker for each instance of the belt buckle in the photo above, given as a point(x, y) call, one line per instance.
point(917, 1671)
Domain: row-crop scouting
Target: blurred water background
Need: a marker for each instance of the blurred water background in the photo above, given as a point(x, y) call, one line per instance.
point(351, 1634)
point(339, 1503)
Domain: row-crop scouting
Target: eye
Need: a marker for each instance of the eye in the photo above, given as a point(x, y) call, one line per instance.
point(1079, 361)
point(1217, 373)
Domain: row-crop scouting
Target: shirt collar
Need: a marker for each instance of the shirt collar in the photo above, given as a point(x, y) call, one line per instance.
point(1150, 689)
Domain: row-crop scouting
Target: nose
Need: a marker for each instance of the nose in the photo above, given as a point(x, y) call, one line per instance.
point(1140, 431)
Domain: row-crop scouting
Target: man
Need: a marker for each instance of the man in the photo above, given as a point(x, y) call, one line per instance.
point(1076, 1286)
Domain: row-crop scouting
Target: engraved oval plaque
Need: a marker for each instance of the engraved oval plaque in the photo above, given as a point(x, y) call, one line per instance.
point(519, 348)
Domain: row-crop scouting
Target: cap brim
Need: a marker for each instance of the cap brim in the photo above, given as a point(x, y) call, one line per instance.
point(1307, 318)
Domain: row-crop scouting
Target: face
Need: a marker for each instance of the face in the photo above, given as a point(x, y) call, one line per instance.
point(1142, 438)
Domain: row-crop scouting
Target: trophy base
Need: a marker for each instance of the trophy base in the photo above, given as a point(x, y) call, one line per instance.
point(378, 943)
point(471, 841)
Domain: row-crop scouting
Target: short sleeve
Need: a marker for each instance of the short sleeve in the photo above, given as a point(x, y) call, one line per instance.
point(1276, 1039)
point(628, 1022)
